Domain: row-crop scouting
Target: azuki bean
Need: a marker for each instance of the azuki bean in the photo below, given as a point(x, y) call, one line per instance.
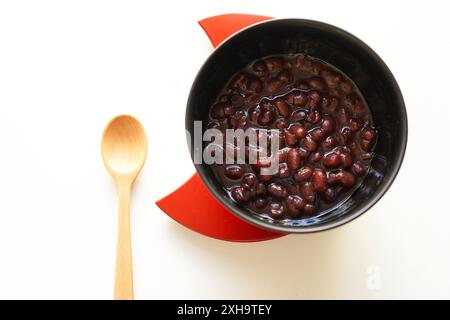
point(303, 153)
point(252, 193)
point(277, 210)
point(352, 101)
point(309, 209)
point(317, 83)
point(298, 130)
point(283, 170)
point(347, 134)
point(309, 144)
point(266, 104)
point(319, 180)
point(282, 154)
point(260, 67)
point(249, 180)
point(298, 115)
point(254, 84)
point(329, 195)
point(228, 109)
point(314, 99)
point(316, 68)
point(217, 110)
point(281, 123)
point(346, 178)
point(262, 162)
point(274, 84)
point(366, 145)
point(253, 114)
point(237, 100)
point(294, 205)
point(328, 123)
point(353, 146)
point(240, 194)
point(265, 117)
point(264, 177)
point(239, 81)
point(238, 119)
point(303, 174)
point(331, 78)
point(330, 142)
point(346, 159)
point(223, 98)
point(302, 85)
point(346, 87)
point(281, 141)
point(299, 98)
point(260, 202)
point(313, 117)
point(282, 107)
point(292, 188)
point(332, 160)
point(251, 98)
point(316, 156)
point(355, 124)
point(277, 190)
point(335, 92)
point(317, 134)
point(367, 156)
point(234, 172)
point(274, 64)
point(290, 138)
point(293, 159)
point(330, 103)
point(345, 149)
point(343, 115)
point(214, 125)
point(333, 178)
point(303, 63)
point(308, 193)
point(358, 168)
point(368, 133)
point(260, 189)
point(284, 76)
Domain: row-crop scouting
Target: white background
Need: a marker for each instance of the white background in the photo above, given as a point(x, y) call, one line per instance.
point(67, 67)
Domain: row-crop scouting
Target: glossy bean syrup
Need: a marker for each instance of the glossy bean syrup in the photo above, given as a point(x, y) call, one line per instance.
point(326, 141)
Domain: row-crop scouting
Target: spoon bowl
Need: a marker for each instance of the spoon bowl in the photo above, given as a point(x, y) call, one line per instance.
point(124, 145)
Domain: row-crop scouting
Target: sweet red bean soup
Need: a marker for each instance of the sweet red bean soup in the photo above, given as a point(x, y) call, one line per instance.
point(326, 136)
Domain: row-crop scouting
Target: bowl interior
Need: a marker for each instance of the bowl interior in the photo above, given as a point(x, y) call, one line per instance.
point(338, 48)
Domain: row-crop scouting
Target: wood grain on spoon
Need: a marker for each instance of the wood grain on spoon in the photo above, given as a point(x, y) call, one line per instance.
point(124, 150)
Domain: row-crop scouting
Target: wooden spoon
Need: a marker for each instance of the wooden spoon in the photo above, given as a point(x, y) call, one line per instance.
point(124, 150)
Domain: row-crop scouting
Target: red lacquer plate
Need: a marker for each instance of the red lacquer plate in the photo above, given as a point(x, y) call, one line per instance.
point(192, 205)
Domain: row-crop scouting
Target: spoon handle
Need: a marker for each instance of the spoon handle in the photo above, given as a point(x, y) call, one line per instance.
point(124, 270)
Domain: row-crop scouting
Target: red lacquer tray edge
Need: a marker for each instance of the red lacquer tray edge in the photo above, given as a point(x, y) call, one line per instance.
point(205, 214)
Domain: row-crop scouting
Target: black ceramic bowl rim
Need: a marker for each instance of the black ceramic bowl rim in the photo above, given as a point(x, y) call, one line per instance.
point(379, 192)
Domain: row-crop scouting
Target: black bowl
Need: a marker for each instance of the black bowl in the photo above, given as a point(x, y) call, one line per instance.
point(337, 47)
